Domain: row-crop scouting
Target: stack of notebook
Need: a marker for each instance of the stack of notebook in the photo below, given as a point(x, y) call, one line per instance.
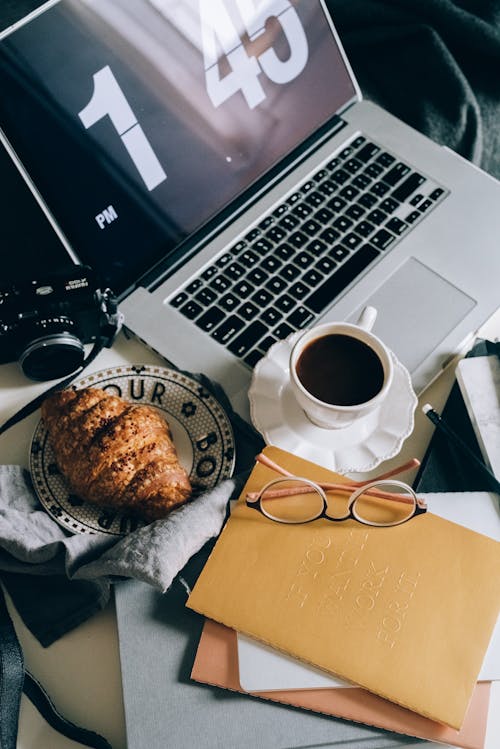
point(405, 614)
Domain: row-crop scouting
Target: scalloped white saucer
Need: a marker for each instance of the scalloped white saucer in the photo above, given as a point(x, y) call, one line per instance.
point(357, 448)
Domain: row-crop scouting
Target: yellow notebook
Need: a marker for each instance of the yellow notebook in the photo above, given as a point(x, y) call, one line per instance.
point(406, 612)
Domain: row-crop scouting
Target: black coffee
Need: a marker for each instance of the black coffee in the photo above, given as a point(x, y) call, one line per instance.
point(340, 370)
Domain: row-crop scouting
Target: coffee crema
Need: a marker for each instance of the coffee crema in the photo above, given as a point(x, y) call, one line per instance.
point(340, 370)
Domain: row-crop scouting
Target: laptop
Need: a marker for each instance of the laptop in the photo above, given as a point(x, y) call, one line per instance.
point(215, 162)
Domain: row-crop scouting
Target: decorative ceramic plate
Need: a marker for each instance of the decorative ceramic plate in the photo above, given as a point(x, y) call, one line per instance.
point(200, 427)
point(359, 447)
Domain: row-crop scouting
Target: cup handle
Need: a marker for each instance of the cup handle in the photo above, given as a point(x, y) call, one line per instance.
point(367, 318)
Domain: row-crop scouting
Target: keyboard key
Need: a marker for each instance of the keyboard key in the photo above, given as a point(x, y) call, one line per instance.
point(226, 330)
point(205, 296)
point(315, 198)
point(302, 210)
point(425, 205)
point(379, 189)
point(179, 299)
point(253, 358)
point(243, 288)
point(262, 297)
point(271, 316)
point(396, 225)
point(329, 235)
point(210, 319)
point(341, 176)
point(365, 228)
point(394, 175)
point(312, 278)
point(234, 271)
point(280, 210)
point(276, 234)
point(358, 141)
point(303, 259)
point(248, 338)
point(289, 272)
point(351, 241)
point(355, 211)
point(311, 227)
point(248, 311)
point(276, 285)
point(285, 303)
point(389, 205)
point(284, 251)
point(219, 284)
point(367, 152)
point(373, 170)
point(298, 239)
point(210, 272)
point(382, 239)
point(342, 223)
point(407, 187)
point(289, 222)
point(248, 258)
point(435, 194)
point(316, 247)
point(337, 204)
point(282, 331)
point(191, 310)
point(367, 200)
point(307, 187)
point(362, 181)
point(323, 215)
point(385, 159)
point(252, 235)
point(238, 247)
point(223, 260)
point(257, 276)
point(266, 223)
point(321, 175)
point(300, 317)
point(416, 199)
point(353, 166)
point(229, 302)
point(261, 246)
point(299, 290)
point(327, 187)
point(346, 152)
point(339, 280)
point(377, 216)
point(338, 252)
point(266, 343)
point(349, 192)
point(194, 285)
point(325, 265)
point(271, 264)
point(333, 164)
point(412, 217)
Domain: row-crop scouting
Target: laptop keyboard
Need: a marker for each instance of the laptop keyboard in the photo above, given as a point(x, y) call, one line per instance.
point(301, 255)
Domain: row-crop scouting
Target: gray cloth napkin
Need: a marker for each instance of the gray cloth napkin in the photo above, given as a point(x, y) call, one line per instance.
point(30, 541)
point(58, 580)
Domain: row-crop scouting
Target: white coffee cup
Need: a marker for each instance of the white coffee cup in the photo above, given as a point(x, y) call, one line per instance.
point(366, 371)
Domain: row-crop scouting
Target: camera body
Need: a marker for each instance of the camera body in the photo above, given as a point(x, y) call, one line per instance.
point(45, 323)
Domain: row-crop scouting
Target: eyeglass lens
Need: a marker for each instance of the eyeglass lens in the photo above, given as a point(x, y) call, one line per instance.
point(291, 501)
point(387, 503)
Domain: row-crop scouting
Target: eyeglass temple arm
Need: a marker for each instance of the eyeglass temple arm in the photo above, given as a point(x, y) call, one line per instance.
point(413, 463)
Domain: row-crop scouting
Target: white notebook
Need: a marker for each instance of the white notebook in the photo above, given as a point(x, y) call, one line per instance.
point(479, 382)
point(263, 669)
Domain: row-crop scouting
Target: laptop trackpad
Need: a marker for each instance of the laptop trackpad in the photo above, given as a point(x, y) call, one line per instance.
point(417, 308)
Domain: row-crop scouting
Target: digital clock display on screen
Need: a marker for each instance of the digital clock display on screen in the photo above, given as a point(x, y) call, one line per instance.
point(140, 120)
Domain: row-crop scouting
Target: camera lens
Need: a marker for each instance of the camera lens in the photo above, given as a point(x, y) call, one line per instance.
point(52, 356)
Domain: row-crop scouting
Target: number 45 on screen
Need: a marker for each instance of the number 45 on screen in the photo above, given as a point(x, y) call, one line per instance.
point(220, 33)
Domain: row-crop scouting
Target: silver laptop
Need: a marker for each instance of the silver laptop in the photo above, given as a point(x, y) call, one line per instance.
point(215, 162)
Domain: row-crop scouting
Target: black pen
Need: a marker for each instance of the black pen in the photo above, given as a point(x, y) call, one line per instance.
point(436, 419)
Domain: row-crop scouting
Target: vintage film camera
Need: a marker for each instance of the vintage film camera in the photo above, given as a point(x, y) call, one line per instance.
point(44, 323)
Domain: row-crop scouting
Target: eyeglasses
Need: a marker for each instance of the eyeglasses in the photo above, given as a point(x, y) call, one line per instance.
point(383, 502)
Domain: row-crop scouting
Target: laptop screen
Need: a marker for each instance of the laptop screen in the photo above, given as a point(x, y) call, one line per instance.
point(139, 121)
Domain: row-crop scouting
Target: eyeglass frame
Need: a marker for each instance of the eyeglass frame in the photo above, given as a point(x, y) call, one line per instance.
point(419, 506)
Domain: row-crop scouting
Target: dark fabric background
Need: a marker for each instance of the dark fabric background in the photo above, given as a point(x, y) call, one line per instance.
point(433, 63)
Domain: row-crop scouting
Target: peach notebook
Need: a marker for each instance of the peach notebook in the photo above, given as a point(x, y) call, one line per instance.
point(216, 663)
point(405, 612)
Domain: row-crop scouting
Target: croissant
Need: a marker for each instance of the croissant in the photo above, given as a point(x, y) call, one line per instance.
point(115, 454)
